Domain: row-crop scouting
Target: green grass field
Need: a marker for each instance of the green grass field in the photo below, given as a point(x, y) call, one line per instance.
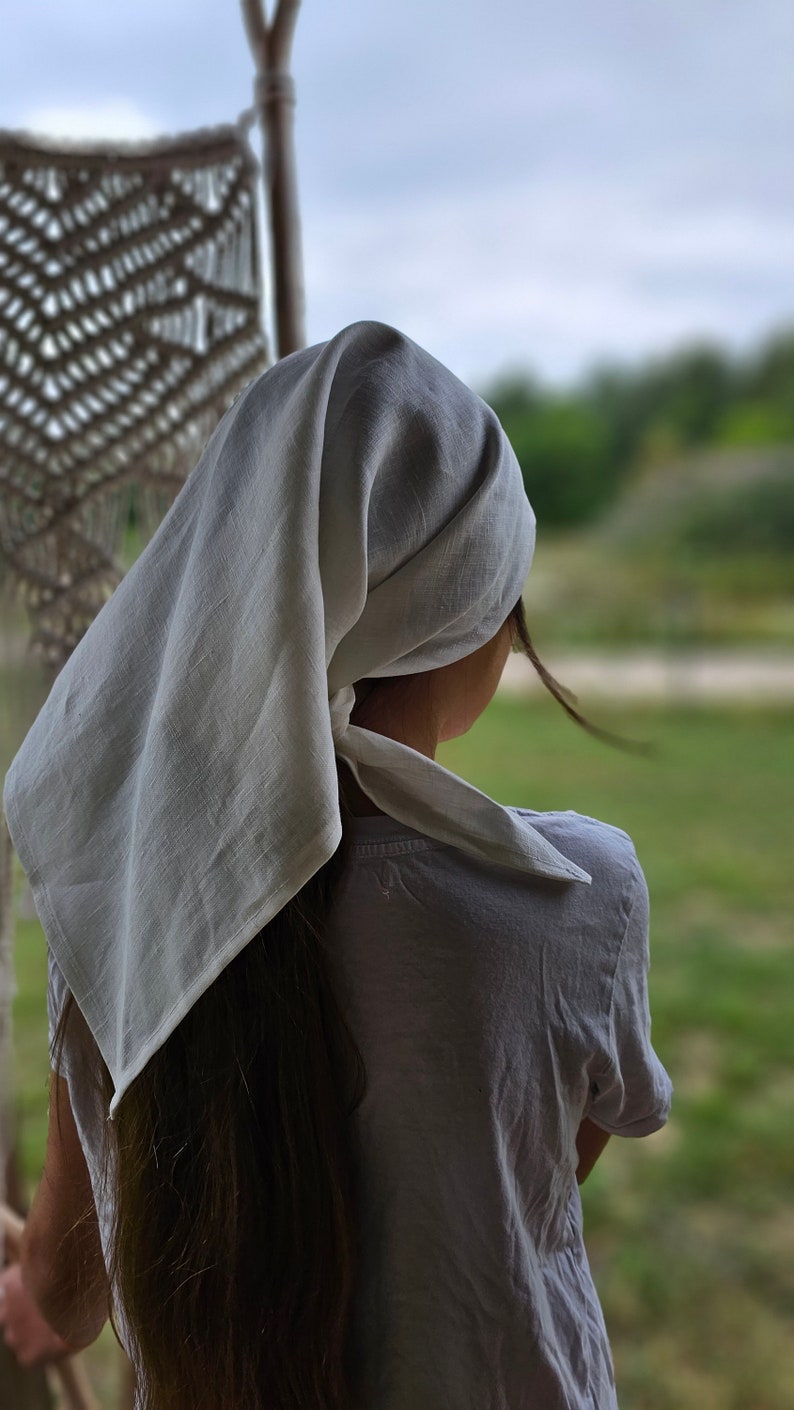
point(689, 1233)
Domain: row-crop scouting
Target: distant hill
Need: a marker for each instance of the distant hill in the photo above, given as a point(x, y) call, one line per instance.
point(714, 504)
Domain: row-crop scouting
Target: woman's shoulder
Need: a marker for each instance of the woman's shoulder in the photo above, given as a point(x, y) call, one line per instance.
point(605, 851)
point(602, 850)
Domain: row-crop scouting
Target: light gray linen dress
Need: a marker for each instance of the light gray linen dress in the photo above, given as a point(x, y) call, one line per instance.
point(494, 1010)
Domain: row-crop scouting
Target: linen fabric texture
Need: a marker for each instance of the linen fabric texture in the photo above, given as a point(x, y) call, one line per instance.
point(494, 1011)
point(358, 512)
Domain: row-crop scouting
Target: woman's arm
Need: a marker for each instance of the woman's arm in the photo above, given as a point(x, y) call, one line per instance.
point(62, 1263)
point(590, 1141)
point(22, 1326)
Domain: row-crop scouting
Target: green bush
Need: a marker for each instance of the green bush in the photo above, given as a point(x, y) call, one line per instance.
point(754, 518)
point(562, 446)
point(713, 505)
point(756, 423)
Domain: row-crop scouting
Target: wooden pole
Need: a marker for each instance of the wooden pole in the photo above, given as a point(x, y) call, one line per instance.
point(271, 46)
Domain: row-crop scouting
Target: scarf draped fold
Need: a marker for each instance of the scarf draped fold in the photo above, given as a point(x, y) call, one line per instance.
point(357, 513)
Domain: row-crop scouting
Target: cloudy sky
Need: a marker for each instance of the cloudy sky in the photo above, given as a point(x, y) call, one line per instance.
point(513, 184)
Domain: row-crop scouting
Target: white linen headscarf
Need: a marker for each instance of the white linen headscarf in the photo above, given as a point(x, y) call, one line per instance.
point(358, 512)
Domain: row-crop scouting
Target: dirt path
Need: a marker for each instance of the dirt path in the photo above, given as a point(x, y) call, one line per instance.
point(756, 677)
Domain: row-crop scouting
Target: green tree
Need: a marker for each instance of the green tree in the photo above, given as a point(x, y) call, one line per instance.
point(577, 449)
point(562, 447)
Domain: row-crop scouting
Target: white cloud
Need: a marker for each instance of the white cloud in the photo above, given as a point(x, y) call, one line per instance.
point(540, 185)
point(550, 274)
point(116, 120)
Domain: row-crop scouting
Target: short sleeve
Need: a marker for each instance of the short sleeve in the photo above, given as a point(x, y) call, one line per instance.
point(630, 1090)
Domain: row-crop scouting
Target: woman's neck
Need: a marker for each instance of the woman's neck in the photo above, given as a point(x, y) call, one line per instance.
point(356, 799)
point(404, 712)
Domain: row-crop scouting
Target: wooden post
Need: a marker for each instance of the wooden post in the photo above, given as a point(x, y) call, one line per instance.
point(271, 46)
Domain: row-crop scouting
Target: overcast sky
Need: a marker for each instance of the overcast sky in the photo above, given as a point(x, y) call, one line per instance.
point(512, 184)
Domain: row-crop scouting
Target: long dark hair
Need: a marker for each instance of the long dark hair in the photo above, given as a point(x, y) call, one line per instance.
point(234, 1242)
point(234, 1252)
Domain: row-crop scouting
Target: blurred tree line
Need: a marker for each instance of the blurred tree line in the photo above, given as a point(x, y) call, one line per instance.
point(580, 447)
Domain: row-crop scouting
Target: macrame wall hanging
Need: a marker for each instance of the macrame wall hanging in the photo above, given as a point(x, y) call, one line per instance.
point(129, 319)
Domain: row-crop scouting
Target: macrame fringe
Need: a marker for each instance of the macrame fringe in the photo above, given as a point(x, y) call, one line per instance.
point(129, 320)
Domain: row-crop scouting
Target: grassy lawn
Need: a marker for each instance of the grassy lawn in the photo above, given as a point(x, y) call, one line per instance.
point(689, 1234)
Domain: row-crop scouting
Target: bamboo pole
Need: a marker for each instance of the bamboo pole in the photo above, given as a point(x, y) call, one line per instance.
point(271, 46)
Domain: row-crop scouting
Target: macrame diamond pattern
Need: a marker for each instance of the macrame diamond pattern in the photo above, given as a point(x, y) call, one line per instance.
point(129, 320)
